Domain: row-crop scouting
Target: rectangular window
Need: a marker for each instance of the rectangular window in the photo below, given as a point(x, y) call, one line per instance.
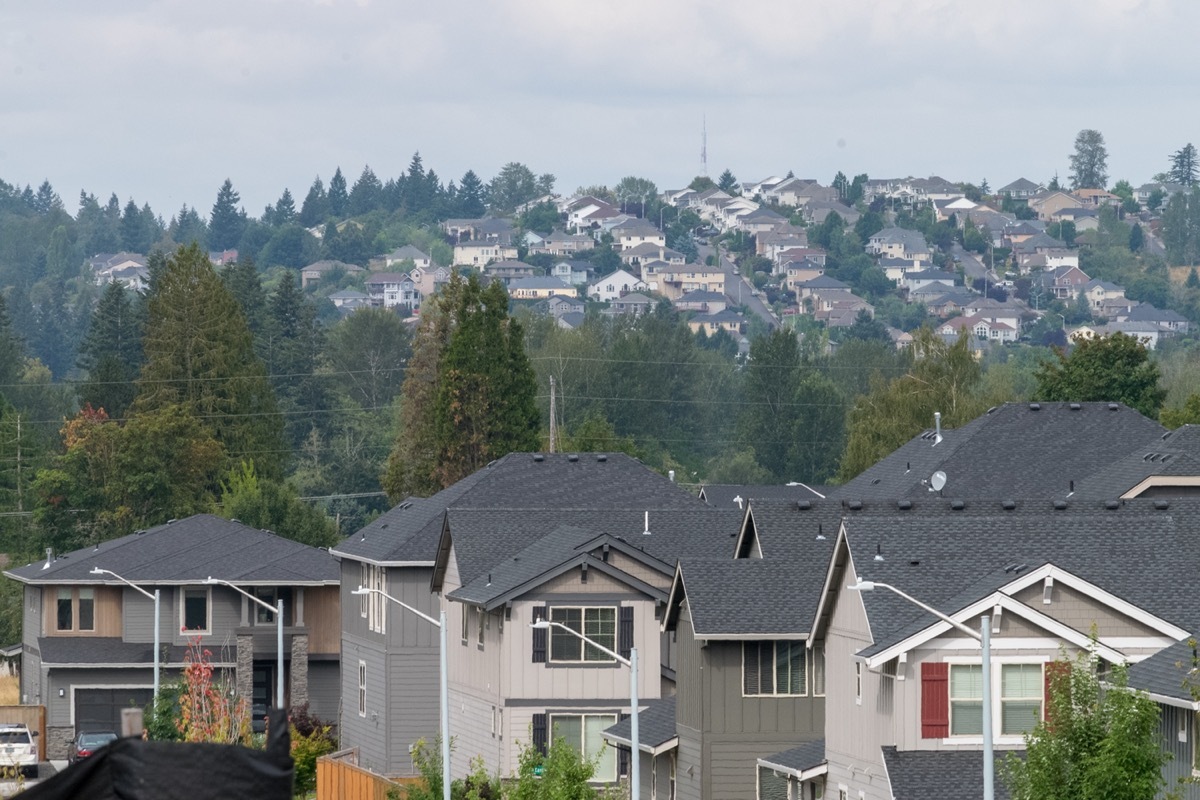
point(1021, 691)
point(482, 623)
point(966, 700)
point(362, 688)
point(858, 682)
point(583, 733)
point(87, 609)
point(267, 595)
point(195, 610)
point(466, 624)
point(774, 668)
point(818, 668)
point(364, 580)
point(377, 603)
point(598, 624)
point(1196, 742)
point(66, 613)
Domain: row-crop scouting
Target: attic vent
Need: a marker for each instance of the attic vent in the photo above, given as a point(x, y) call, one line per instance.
point(993, 408)
point(803, 505)
point(1060, 505)
point(572, 458)
point(1008, 505)
point(1113, 406)
point(1112, 505)
point(1047, 590)
point(172, 521)
point(820, 533)
point(384, 525)
point(904, 505)
point(1075, 406)
point(996, 611)
point(235, 519)
point(854, 505)
point(874, 482)
point(1035, 406)
point(958, 505)
point(539, 458)
point(1161, 505)
point(1166, 458)
point(602, 458)
point(406, 504)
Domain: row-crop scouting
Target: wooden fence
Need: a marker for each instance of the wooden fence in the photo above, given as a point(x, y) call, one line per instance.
point(32, 716)
point(340, 778)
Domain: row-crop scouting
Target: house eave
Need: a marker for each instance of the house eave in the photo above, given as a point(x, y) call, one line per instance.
point(798, 774)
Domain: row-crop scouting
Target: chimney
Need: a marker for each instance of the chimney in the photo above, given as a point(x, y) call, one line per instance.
point(937, 427)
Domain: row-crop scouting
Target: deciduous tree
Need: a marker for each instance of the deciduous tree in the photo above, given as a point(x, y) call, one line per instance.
point(1114, 368)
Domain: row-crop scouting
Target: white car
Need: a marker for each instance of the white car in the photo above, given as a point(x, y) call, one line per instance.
point(17, 750)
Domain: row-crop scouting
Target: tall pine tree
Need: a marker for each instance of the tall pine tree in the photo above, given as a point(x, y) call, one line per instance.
point(339, 198)
point(228, 221)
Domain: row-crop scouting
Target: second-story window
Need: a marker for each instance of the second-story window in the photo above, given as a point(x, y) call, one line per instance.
point(966, 700)
point(65, 617)
point(774, 668)
point(597, 624)
point(75, 610)
point(87, 609)
point(194, 610)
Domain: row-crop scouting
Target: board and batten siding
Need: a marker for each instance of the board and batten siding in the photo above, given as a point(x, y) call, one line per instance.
point(137, 616)
point(471, 721)
point(690, 775)
point(368, 733)
point(1177, 726)
point(322, 618)
point(107, 611)
point(325, 689)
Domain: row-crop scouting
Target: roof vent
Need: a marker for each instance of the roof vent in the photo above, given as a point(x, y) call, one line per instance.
point(1113, 406)
point(875, 482)
point(1112, 505)
point(572, 458)
point(1075, 406)
point(958, 505)
point(803, 505)
point(904, 505)
point(539, 458)
point(646, 529)
point(878, 551)
point(1161, 505)
point(602, 458)
point(993, 408)
point(854, 505)
point(235, 519)
point(172, 521)
point(820, 533)
point(914, 563)
point(1008, 505)
point(1060, 505)
point(1035, 406)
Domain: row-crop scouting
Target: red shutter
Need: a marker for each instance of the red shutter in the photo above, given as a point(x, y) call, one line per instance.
point(1055, 672)
point(935, 700)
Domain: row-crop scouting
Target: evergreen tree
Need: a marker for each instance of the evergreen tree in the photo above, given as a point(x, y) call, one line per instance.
point(199, 356)
point(338, 197)
point(1137, 238)
point(12, 350)
point(315, 208)
point(416, 190)
point(227, 223)
point(1193, 280)
point(1184, 166)
point(296, 340)
point(244, 283)
point(1089, 162)
point(187, 227)
point(285, 208)
point(53, 340)
point(46, 199)
point(136, 235)
point(472, 196)
point(367, 194)
point(727, 183)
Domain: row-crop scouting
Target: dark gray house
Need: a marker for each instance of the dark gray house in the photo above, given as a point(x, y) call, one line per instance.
point(88, 640)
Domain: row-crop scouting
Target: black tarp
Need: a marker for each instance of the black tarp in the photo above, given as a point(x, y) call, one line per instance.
point(131, 769)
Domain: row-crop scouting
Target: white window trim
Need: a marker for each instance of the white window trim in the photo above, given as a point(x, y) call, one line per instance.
point(183, 590)
point(997, 715)
point(362, 688)
point(583, 646)
point(364, 580)
point(614, 716)
point(858, 683)
point(775, 679)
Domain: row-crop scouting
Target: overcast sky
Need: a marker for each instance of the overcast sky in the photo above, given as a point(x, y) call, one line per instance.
point(160, 102)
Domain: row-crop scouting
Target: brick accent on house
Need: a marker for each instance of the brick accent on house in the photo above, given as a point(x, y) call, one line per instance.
point(299, 669)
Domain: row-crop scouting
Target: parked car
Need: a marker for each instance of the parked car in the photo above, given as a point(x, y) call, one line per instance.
point(17, 749)
point(87, 743)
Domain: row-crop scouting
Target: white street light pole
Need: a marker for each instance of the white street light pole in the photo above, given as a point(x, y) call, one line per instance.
point(635, 788)
point(278, 612)
point(984, 637)
point(441, 624)
point(157, 619)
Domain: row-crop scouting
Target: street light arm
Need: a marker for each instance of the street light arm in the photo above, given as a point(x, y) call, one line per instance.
point(364, 590)
point(549, 623)
point(130, 584)
point(243, 592)
point(867, 585)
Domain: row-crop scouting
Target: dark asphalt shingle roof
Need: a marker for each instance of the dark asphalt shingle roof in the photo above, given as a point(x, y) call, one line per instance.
point(792, 529)
point(96, 651)
point(722, 495)
point(1012, 451)
point(937, 774)
point(729, 597)
point(189, 551)
point(1176, 453)
point(805, 757)
point(1167, 673)
point(656, 725)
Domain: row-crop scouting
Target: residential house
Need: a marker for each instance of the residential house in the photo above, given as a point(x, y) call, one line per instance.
point(915, 281)
point(816, 212)
point(316, 272)
point(702, 302)
point(571, 320)
point(763, 187)
point(128, 269)
point(789, 254)
point(1062, 283)
point(615, 285)
point(1168, 190)
point(1018, 232)
point(428, 280)
point(222, 258)
point(896, 269)
point(648, 251)
point(945, 302)
point(349, 300)
point(714, 322)
point(481, 252)
point(558, 305)
point(392, 290)
point(1095, 198)
point(760, 220)
point(796, 273)
point(576, 273)
point(407, 253)
point(637, 232)
point(634, 304)
point(803, 193)
point(980, 328)
point(781, 238)
point(1167, 319)
point(673, 281)
point(1021, 189)
point(1046, 204)
point(559, 243)
point(945, 209)
point(88, 639)
point(538, 288)
point(899, 243)
point(991, 310)
point(820, 283)
point(510, 270)
point(1099, 292)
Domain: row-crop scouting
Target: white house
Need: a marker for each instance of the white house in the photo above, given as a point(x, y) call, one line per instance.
point(614, 285)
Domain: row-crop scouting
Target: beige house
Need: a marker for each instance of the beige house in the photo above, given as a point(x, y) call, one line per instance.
point(480, 253)
point(673, 281)
point(539, 288)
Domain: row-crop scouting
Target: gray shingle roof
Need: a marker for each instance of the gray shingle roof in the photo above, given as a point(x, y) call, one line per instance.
point(189, 551)
point(1174, 454)
point(723, 495)
point(95, 651)
point(1167, 673)
point(805, 757)
point(755, 597)
point(937, 774)
point(656, 725)
point(1012, 451)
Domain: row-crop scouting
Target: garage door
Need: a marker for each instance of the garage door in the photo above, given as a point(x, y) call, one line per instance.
point(100, 709)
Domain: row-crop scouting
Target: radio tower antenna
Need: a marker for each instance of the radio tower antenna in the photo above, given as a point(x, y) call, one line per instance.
point(704, 146)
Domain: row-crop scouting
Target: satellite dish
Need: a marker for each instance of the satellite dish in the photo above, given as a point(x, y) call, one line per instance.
point(938, 480)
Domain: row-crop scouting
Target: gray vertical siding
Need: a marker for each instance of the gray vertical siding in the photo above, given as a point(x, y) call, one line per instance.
point(1178, 771)
point(137, 616)
point(690, 770)
point(325, 689)
point(31, 662)
point(367, 733)
point(689, 708)
point(413, 703)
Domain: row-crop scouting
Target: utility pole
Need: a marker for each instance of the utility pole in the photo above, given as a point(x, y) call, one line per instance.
point(553, 414)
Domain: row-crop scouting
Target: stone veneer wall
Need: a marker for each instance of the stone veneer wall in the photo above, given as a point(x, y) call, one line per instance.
point(245, 666)
point(299, 669)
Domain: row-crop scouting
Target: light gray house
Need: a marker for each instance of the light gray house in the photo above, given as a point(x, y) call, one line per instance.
point(88, 640)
